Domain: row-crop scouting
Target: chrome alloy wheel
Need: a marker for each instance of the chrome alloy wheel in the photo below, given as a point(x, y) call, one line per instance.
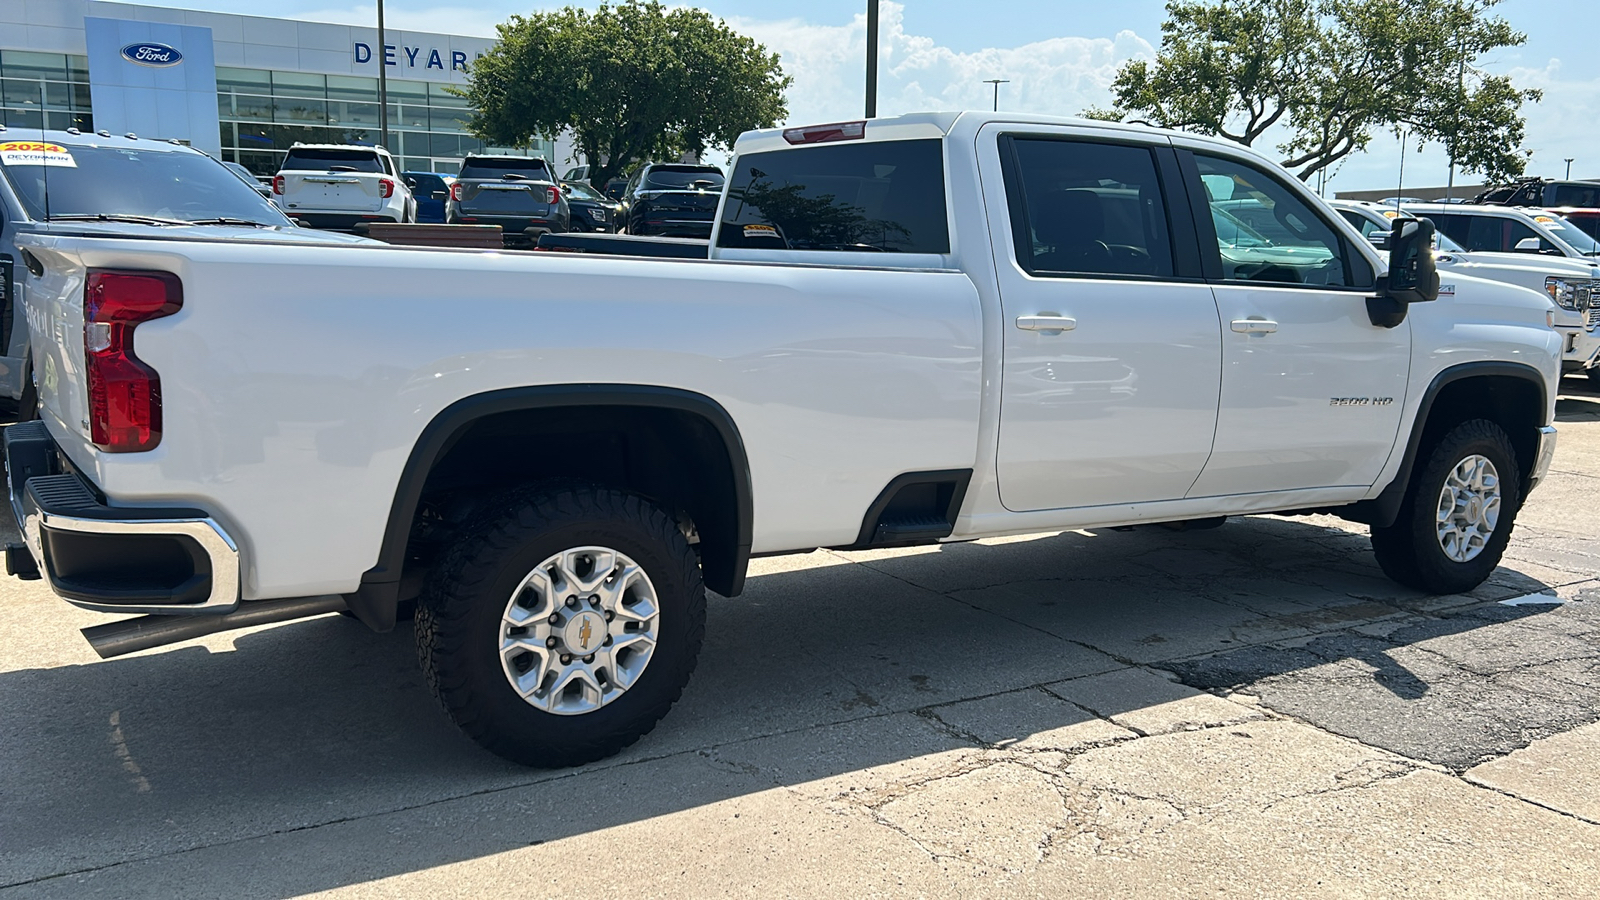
point(579, 630)
point(1469, 508)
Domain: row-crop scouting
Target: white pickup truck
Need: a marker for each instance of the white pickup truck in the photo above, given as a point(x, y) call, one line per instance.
point(340, 186)
point(936, 327)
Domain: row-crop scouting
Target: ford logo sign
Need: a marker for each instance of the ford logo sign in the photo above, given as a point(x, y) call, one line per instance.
point(157, 56)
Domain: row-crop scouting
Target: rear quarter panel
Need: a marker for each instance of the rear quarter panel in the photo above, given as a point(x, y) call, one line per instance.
point(296, 380)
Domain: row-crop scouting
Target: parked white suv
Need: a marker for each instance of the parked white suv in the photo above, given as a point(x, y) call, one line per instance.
point(340, 186)
point(1571, 283)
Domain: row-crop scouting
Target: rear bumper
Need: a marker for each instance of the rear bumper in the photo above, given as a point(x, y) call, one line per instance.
point(341, 221)
point(113, 559)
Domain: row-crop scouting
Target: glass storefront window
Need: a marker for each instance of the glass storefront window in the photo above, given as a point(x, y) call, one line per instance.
point(408, 91)
point(299, 84)
point(412, 117)
point(349, 87)
point(342, 113)
point(258, 108)
point(444, 145)
point(57, 95)
point(19, 92)
point(77, 68)
point(21, 64)
point(24, 118)
point(298, 111)
point(80, 97)
point(248, 81)
point(439, 95)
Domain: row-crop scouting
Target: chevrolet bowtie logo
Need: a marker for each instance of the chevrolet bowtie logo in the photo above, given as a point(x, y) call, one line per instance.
point(585, 632)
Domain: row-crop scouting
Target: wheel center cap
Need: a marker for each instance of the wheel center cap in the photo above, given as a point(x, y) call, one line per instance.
point(583, 633)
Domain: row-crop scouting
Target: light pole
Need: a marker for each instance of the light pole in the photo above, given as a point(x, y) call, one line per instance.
point(997, 82)
point(383, 83)
point(872, 59)
point(1569, 166)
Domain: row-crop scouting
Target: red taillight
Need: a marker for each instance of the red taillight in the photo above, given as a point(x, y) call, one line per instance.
point(277, 184)
point(553, 196)
point(817, 134)
point(124, 393)
point(385, 188)
point(455, 192)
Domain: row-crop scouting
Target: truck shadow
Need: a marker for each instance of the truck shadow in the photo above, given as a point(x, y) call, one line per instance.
point(831, 669)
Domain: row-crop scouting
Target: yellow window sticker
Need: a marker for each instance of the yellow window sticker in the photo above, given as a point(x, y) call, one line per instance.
point(760, 231)
point(35, 153)
point(1544, 220)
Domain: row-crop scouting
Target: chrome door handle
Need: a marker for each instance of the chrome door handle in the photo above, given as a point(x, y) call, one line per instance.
point(1254, 326)
point(1049, 324)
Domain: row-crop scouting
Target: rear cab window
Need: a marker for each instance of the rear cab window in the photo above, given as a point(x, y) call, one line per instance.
point(491, 167)
point(324, 159)
point(683, 178)
point(860, 197)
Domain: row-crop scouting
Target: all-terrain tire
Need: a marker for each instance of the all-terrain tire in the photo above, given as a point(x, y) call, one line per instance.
point(1410, 551)
point(458, 621)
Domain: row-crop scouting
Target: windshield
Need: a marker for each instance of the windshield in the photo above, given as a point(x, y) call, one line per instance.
point(1572, 234)
point(500, 167)
point(129, 181)
point(684, 178)
point(317, 159)
point(582, 191)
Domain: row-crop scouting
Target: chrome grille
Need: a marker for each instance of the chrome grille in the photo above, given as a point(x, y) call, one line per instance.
point(1593, 318)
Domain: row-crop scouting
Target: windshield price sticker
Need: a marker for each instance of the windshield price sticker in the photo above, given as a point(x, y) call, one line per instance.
point(35, 153)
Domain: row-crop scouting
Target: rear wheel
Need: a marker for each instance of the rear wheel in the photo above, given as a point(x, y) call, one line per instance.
point(1458, 513)
point(565, 627)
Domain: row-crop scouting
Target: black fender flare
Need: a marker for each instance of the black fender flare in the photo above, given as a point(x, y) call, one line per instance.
point(375, 601)
point(1385, 508)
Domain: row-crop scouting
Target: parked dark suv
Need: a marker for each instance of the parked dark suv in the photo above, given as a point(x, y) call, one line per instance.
point(672, 199)
point(518, 193)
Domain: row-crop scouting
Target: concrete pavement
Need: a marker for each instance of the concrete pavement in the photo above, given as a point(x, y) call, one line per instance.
point(1249, 711)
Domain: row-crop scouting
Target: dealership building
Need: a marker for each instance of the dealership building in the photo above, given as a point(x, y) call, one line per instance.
point(242, 88)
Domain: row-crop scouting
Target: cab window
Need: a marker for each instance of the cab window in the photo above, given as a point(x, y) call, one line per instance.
point(1267, 234)
point(1088, 208)
point(874, 197)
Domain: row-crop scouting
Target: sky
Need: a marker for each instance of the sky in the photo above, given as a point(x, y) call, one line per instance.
point(1060, 57)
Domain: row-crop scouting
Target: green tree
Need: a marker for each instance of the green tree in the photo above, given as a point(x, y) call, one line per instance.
point(1329, 73)
point(632, 81)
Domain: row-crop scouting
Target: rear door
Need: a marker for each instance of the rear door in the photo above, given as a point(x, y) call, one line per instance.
point(1312, 391)
point(1112, 351)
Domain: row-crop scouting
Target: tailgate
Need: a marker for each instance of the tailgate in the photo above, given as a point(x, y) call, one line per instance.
point(499, 198)
point(339, 191)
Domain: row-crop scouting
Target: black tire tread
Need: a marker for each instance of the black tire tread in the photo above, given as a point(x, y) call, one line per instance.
point(468, 567)
point(1407, 551)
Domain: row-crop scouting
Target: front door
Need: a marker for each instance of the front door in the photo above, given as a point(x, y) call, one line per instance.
point(1312, 391)
point(1112, 350)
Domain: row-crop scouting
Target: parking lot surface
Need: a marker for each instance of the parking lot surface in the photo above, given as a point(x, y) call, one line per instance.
point(1252, 710)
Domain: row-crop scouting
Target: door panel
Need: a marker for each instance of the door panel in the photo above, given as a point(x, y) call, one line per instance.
point(1312, 391)
point(1314, 403)
point(1110, 377)
point(1121, 409)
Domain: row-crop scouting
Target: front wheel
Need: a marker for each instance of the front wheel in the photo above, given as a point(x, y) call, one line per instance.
point(564, 628)
point(1458, 513)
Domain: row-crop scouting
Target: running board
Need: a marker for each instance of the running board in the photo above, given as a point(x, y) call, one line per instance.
point(144, 632)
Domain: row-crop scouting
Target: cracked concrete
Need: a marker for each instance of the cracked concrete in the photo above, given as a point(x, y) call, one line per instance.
point(1252, 710)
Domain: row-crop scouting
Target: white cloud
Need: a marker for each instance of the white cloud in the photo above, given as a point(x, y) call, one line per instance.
point(1057, 76)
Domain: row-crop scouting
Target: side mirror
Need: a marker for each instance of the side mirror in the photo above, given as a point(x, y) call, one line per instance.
point(1413, 276)
point(411, 183)
point(1527, 245)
